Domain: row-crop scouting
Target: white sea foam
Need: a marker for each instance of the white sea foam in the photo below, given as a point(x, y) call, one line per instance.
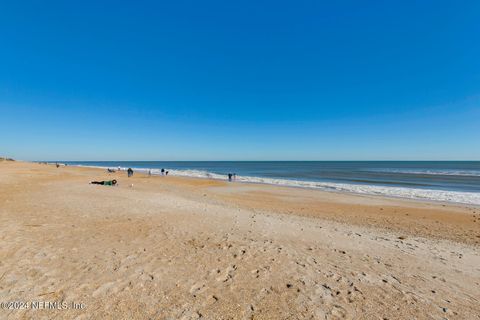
point(412, 193)
point(442, 172)
point(401, 192)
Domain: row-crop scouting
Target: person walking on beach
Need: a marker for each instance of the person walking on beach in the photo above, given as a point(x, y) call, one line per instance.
point(162, 171)
point(229, 177)
point(130, 172)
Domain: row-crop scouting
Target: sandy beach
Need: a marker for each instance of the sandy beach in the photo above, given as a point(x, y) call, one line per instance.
point(182, 248)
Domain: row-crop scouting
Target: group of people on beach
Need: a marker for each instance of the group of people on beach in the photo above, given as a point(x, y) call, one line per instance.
point(129, 171)
point(129, 174)
point(112, 182)
point(231, 176)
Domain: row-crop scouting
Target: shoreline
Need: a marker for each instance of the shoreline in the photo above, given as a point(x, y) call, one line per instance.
point(419, 194)
point(326, 204)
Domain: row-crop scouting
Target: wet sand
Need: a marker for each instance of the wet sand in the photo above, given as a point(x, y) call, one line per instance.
point(180, 248)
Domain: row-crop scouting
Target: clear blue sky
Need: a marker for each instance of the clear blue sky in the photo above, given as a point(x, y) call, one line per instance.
point(240, 80)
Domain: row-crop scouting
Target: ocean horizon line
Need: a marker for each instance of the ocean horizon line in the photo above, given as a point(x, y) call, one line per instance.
point(458, 160)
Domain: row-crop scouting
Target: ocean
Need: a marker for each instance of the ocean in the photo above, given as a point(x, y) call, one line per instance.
point(449, 181)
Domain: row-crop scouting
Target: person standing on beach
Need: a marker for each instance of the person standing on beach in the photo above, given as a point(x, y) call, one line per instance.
point(162, 171)
point(130, 172)
point(229, 177)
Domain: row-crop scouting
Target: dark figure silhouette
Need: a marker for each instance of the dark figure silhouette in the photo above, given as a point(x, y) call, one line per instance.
point(105, 183)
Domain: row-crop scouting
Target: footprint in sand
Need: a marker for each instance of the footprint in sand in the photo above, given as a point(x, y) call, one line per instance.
point(198, 288)
point(228, 274)
point(255, 273)
point(211, 300)
point(249, 312)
